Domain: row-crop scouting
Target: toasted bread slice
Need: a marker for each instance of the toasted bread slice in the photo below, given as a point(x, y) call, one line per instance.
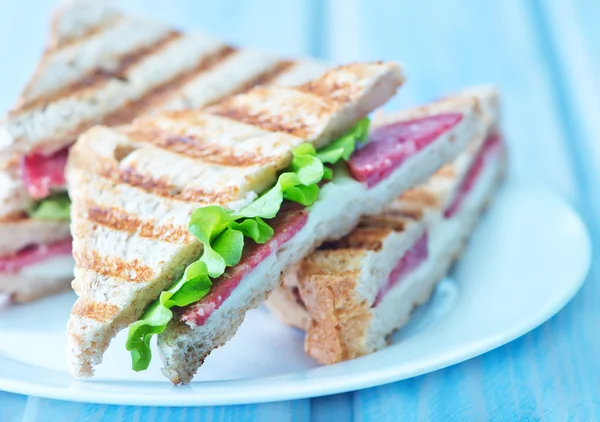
point(38, 278)
point(135, 187)
point(37, 281)
point(335, 299)
point(104, 67)
point(186, 343)
point(21, 231)
point(13, 194)
point(341, 294)
point(83, 69)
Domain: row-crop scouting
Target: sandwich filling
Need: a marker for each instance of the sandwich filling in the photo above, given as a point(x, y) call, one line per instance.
point(34, 254)
point(419, 252)
point(285, 226)
point(392, 144)
point(352, 294)
point(208, 282)
point(491, 146)
point(44, 173)
point(414, 257)
point(222, 233)
point(44, 178)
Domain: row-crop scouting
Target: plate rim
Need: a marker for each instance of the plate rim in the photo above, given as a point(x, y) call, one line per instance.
point(289, 386)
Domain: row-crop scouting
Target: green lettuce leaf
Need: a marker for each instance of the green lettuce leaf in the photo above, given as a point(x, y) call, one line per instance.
point(229, 246)
point(56, 207)
point(254, 228)
point(266, 205)
point(222, 234)
point(298, 185)
point(304, 195)
point(208, 222)
point(343, 147)
point(193, 286)
point(306, 166)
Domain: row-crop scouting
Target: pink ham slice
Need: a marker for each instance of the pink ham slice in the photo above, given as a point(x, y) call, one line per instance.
point(490, 146)
point(33, 254)
point(411, 260)
point(44, 172)
point(286, 225)
point(390, 145)
point(419, 252)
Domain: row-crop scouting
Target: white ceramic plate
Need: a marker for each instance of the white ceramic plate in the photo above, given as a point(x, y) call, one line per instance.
point(525, 262)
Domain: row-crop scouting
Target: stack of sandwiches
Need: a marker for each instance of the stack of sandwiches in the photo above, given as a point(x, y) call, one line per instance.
point(350, 295)
point(205, 178)
point(101, 67)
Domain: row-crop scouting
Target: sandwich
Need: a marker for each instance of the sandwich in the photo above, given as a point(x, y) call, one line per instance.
point(101, 67)
point(350, 295)
point(184, 221)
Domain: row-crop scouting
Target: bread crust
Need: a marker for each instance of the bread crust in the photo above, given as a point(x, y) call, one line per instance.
point(334, 282)
point(183, 351)
point(138, 176)
point(17, 233)
point(104, 67)
point(28, 288)
point(341, 319)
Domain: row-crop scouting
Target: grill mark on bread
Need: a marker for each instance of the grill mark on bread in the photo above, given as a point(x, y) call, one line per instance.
point(117, 219)
point(100, 76)
point(414, 213)
point(14, 217)
point(60, 42)
point(64, 42)
point(112, 218)
point(94, 310)
point(148, 183)
point(195, 147)
point(446, 172)
point(319, 89)
point(111, 266)
point(167, 89)
point(369, 238)
point(165, 189)
point(334, 90)
point(420, 197)
point(272, 122)
point(265, 77)
point(84, 354)
point(166, 233)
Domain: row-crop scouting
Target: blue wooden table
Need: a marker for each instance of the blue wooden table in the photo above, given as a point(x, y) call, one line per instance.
point(545, 57)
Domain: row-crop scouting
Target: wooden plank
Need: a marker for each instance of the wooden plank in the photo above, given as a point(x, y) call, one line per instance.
point(574, 34)
point(549, 373)
point(45, 410)
point(21, 43)
point(571, 34)
point(12, 407)
point(272, 26)
point(446, 45)
point(277, 27)
point(332, 408)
